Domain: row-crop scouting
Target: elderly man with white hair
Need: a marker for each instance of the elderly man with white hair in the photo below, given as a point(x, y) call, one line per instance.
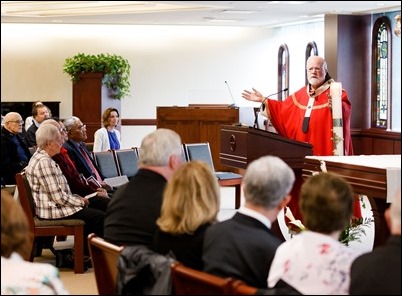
point(50, 190)
point(14, 153)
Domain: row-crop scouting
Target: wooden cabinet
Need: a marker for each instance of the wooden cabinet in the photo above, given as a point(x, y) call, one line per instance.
point(199, 123)
point(90, 99)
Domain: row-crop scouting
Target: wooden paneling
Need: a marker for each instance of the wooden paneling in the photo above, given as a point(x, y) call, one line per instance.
point(90, 99)
point(376, 142)
point(197, 124)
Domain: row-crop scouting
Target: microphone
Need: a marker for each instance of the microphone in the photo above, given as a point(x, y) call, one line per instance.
point(231, 95)
point(262, 107)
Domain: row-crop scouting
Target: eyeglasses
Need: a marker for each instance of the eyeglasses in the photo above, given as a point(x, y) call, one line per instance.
point(17, 121)
point(81, 127)
point(63, 130)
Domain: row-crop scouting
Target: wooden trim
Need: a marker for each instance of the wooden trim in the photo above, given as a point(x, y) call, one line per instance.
point(377, 133)
point(137, 122)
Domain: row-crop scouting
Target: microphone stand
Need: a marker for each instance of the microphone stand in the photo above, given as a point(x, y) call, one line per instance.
point(262, 107)
point(256, 112)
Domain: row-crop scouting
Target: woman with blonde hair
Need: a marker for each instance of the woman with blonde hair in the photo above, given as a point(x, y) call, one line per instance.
point(191, 202)
point(108, 137)
point(19, 276)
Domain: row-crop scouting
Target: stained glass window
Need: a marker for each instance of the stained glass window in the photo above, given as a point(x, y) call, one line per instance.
point(381, 66)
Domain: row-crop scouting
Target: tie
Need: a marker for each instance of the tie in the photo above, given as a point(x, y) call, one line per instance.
point(89, 162)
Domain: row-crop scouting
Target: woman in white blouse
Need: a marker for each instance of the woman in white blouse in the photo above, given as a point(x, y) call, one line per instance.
point(108, 137)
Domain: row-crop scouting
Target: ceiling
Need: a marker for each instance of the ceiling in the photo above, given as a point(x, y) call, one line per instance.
point(200, 13)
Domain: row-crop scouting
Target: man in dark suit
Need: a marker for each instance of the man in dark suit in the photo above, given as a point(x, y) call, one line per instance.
point(40, 112)
point(243, 247)
point(132, 212)
point(380, 271)
point(14, 153)
point(78, 152)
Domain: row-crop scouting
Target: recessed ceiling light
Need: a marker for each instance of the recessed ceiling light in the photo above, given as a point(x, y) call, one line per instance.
point(238, 11)
point(223, 21)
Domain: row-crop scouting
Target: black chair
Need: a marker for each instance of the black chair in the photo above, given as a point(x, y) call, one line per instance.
point(202, 151)
point(106, 163)
point(127, 161)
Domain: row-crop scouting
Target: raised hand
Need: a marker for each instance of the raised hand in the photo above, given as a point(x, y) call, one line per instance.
point(254, 95)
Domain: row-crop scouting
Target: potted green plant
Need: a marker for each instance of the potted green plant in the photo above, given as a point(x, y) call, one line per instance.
point(115, 69)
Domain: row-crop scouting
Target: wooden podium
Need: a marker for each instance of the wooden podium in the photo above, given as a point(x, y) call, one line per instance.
point(199, 123)
point(241, 145)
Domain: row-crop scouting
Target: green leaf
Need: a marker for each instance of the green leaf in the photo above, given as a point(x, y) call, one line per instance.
point(115, 69)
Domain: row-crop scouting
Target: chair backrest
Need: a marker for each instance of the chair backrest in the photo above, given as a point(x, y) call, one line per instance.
point(241, 288)
point(184, 157)
point(106, 163)
point(199, 151)
point(127, 160)
point(188, 281)
point(32, 150)
point(26, 198)
point(202, 151)
point(105, 257)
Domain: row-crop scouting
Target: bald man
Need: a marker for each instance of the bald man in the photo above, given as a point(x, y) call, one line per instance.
point(14, 153)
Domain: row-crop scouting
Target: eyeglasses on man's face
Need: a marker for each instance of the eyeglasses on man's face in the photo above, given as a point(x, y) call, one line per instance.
point(81, 127)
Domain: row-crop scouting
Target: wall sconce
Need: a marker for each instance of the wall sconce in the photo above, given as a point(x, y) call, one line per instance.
point(397, 29)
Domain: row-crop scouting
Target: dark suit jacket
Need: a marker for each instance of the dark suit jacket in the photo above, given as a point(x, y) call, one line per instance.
point(378, 272)
point(79, 160)
point(132, 212)
point(10, 161)
point(30, 135)
point(241, 247)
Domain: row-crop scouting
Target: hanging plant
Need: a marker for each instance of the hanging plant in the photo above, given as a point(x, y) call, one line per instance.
point(115, 69)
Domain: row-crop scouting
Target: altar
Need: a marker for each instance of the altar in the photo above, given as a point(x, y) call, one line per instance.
point(377, 176)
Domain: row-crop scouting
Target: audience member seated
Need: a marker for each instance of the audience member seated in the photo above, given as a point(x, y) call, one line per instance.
point(190, 205)
point(14, 153)
point(19, 277)
point(78, 185)
point(379, 272)
point(29, 119)
point(51, 192)
point(132, 212)
point(39, 114)
point(108, 137)
point(314, 262)
point(78, 152)
point(243, 247)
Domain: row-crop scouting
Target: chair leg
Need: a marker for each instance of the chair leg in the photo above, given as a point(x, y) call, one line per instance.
point(32, 255)
point(237, 196)
point(79, 249)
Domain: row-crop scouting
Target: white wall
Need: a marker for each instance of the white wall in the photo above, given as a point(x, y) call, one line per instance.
point(170, 65)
